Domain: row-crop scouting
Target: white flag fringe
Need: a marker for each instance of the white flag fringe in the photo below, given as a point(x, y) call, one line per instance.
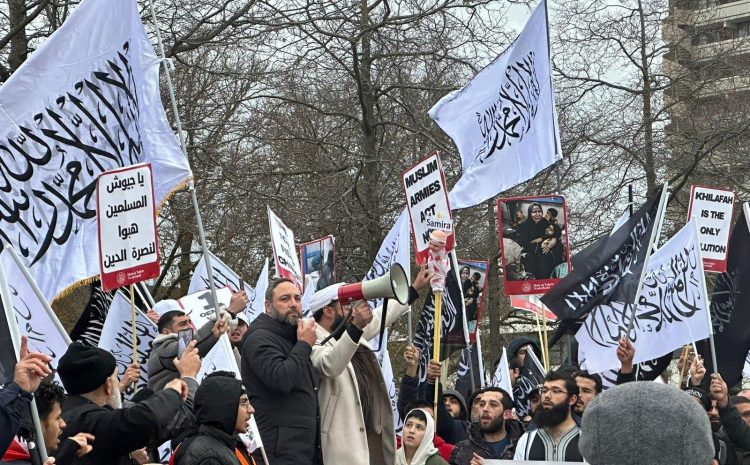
point(85, 102)
point(672, 309)
point(503, 120)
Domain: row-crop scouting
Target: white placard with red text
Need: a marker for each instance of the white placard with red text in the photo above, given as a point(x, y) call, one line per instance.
point(712, 210)
point(284, 250)
point(427, 203)
point(126, 213)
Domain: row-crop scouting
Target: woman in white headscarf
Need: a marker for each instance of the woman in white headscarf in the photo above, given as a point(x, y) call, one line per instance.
point(416, 444)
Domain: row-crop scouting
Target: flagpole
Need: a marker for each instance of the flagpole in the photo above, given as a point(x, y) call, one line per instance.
point(705, 292)
point(132, 322)
point(541, 338)
point(183, 145)
point(652, 240)
point(482, 379)
point(144, 294)
point(38, 292)
point(467, 339)
point(436, 339)
point(10, 317)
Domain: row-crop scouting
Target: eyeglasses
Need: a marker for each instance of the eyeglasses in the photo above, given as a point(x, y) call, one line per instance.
point(553, 390)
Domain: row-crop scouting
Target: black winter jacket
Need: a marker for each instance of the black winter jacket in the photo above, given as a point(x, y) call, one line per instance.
point(475, 444)
point(14, 402)
point(282, 386)
point(210, 447)
point(119, 432)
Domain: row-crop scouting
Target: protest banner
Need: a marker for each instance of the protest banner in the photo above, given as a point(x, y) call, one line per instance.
point(128, 243)
point(318, 262)
point(35, 318)
point(223, 277)
point(474, 282)
point(531, 303)
point(712, 209)
point(533, 243)
point(200, 305)
point(427, 204)
point(117, 336)
point(284, 250)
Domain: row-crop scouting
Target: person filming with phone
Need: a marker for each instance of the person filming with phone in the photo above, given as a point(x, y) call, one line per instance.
point(175, 328)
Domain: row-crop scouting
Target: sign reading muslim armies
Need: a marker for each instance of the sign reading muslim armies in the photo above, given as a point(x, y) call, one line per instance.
point(128, 247)
point(427, 203)
point(712, 210)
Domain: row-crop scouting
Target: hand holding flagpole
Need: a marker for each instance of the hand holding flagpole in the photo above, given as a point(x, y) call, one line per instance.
point(438, 263)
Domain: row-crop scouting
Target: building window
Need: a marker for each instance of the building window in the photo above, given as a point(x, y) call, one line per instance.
point(743, 29)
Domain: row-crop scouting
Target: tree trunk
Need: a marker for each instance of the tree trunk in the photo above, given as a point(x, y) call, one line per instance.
point(19, 43)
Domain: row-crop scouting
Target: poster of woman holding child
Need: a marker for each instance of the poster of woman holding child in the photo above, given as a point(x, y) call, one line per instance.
point(533, 243)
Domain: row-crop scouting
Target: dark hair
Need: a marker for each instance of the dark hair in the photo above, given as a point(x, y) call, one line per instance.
point(166, 319)
point(476, 275)
point(224, 373)
point(552, 211)
point(319, 312)
point(418, 414)
point(46, 395)
point(274, 284)
point(739, 400)
point(468, 270)
point(507, 403)
point(595, 378)
point(564, 375)
point(531, 207)
point(419, 404)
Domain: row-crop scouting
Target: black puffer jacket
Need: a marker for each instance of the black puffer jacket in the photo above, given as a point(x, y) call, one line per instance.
point(464, 450)
point(213, 442)
point(282, 386)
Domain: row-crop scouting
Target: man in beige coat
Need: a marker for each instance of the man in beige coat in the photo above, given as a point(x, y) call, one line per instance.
point(355, 408)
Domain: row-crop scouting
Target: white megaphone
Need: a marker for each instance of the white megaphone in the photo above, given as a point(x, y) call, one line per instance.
point(392, 285)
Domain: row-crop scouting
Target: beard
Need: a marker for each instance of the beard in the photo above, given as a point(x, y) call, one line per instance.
point(290, 319)
point(338, 328)
point(496, 425)
point(115, 399)
point(552, 416)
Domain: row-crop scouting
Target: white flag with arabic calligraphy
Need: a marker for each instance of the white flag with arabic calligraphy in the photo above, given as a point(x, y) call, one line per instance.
point(672, 309)
point(503, 120)
point(90, 103)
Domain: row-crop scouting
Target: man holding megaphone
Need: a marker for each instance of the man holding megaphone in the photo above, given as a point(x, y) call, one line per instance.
point(356, 420)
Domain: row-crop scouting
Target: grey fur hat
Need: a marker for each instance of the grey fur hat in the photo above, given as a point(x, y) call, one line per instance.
point(644, 422)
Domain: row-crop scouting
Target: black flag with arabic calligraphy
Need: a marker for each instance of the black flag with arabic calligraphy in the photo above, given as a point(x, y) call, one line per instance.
point(730, 308)
point(463, 382)
point(609, 271)
point(452, 337)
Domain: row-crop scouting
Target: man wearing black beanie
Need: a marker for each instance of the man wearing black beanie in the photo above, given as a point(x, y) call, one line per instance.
point(89, 375)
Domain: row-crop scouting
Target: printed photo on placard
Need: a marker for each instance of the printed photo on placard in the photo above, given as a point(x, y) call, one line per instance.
point(533, 243)
point(319, 262)
point(473, 277)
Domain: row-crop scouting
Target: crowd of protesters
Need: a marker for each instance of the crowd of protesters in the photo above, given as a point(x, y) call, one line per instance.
point(318, 396)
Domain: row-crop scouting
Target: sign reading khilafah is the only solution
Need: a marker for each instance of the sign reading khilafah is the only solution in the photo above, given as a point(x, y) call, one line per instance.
point(427, 203)
point(126, 212)
point(712, 209)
